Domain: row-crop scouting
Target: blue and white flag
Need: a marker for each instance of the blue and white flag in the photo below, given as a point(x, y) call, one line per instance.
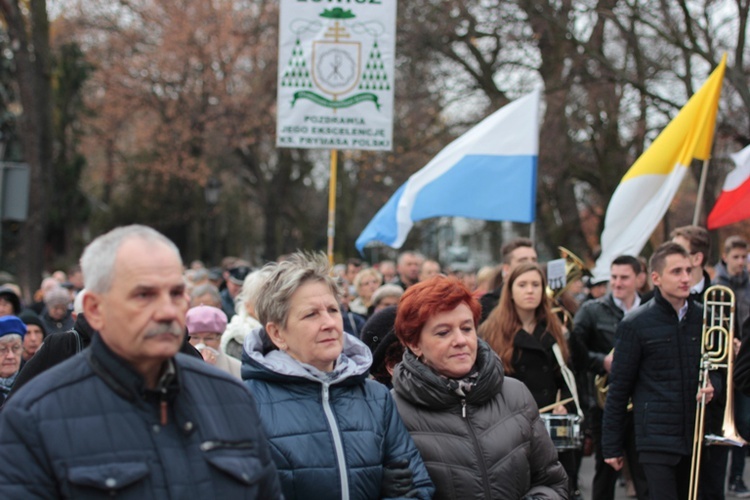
point(488, 173)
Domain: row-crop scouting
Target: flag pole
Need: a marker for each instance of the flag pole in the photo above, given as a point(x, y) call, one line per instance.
point(701, 190)
point(332, 205)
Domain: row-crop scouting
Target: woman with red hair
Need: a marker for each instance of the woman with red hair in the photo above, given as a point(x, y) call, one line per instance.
point(524, 332)
point(478, 432)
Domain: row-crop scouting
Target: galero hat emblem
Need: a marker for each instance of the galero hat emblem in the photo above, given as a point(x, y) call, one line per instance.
point(335, 77)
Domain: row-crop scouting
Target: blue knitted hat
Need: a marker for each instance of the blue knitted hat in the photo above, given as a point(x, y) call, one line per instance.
point(12, 324)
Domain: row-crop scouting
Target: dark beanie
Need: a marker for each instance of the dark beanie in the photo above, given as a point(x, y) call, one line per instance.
point(378, 326)
point(29, 317)
point(379, 357)
point(9, 294)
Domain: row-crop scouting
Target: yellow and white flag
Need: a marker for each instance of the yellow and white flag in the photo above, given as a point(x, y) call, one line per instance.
point(647, 189)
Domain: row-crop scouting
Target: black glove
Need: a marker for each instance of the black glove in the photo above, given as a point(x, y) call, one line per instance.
point(397, 480)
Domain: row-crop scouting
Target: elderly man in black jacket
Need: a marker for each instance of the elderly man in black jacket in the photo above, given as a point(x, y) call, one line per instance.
point(130, 416)
point(656, 363)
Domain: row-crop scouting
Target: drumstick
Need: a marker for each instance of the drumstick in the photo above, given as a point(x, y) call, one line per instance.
point(554, 405)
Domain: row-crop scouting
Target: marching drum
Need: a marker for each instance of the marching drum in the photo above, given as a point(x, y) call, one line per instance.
point(565, 430)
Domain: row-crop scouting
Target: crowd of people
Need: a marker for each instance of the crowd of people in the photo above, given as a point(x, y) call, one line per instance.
point(133, 375)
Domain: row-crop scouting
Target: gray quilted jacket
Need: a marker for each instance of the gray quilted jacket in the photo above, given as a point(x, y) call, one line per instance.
point(489, 444)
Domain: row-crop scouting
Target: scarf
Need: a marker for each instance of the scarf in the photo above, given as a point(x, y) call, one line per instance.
point(6, 384)
point(461, 386)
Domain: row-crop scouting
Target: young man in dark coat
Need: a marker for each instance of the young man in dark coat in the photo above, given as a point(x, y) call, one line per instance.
point(130, 415)
point(656, 363)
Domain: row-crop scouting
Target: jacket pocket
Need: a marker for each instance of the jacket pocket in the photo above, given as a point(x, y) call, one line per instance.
point(246, 470)
point(661, 349)
point(238, 472)
point(112, 477)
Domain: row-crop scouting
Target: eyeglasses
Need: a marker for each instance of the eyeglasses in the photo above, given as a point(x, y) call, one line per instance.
point(205, 338)
point(4, 350)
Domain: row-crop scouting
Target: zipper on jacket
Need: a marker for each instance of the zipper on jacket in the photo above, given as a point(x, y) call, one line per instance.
point(215, 445)
point(340, 459)
point(478, 451)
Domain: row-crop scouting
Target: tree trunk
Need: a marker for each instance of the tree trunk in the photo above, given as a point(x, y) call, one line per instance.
point(32, 59)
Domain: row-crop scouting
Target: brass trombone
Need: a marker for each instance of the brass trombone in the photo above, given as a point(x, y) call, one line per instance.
point(717, 352)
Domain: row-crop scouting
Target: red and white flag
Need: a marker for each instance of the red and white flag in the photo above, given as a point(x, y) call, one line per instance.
point(733, 204)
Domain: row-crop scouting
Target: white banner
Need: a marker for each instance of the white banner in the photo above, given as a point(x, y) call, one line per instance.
point(336, 70)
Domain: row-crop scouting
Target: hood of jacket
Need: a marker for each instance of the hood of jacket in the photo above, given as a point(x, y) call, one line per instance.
point(420, 385)
point(262, 362)
point(237, 329)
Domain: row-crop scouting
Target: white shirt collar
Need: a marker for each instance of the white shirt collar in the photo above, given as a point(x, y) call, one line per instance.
point(619, 303)
point(698, 287)
point(683, 311)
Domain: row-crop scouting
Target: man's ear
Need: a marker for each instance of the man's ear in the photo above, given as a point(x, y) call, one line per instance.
point(697, 259)
point(655, 278)
point(93, 310)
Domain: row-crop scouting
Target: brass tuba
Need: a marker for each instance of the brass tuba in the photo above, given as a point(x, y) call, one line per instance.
point(601, 384)
point(717, 352)
point(575, 269)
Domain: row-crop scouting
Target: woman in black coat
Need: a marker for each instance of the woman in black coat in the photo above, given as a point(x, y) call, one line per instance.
point(524, 332)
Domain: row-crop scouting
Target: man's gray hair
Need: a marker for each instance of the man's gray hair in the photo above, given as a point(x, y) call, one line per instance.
point(387, 290)
point(98, 259)
point(251, 290)
point(205, 289)
point(285, 278)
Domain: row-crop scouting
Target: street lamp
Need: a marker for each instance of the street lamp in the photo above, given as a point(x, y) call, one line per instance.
point(211, 193)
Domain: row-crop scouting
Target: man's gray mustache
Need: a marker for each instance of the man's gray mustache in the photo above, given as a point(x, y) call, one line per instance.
point(162, 328)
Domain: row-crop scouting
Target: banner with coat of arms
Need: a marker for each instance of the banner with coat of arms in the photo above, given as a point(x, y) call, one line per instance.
point(336, 70)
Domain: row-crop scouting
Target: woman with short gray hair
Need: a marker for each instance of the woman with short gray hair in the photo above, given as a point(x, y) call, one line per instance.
point(334, 433)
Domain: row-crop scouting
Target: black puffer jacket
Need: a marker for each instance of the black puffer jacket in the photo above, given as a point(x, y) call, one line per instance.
point(656, 361)
point(490, 444)
point(742, 368)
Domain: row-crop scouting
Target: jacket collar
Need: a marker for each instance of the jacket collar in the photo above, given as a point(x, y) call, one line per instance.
point(84, 329)
point(418, 384)
point(609, 301)
point(263, 361)
point(124, 380)
point(661, 302)
point(539, 339)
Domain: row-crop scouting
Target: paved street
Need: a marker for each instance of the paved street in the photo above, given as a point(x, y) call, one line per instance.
point(586, 475)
